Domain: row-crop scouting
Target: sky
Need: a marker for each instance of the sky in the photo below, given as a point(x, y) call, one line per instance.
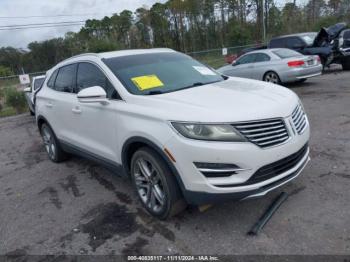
point(80, 10)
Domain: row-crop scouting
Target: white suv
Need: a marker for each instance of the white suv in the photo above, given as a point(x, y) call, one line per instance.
point(183, 133)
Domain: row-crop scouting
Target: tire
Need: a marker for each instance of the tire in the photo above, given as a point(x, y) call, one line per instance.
point(346, 64)
point(52, 146)
point(155, 184)
point(272, 77)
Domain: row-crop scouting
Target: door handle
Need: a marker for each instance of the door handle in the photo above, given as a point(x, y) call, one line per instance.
point(76, 110)
point(49, 105)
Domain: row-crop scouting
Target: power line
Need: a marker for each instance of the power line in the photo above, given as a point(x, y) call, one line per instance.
point(19, 28)
point(61, 15)
point(40, 24)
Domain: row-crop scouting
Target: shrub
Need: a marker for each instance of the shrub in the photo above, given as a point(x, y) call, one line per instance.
point(15, 99)
point(5, 71)
point(7, 111)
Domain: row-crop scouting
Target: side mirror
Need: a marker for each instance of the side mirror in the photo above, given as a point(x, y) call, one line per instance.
point(234, 63)
point(27, 89)
point(94, 94)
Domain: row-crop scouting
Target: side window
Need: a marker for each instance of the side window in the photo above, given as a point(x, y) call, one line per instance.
point(65, 79)
point(277, 42)
point(89, 75)
point(246, 59)
point(51, 82)
point(294, 42)
point(260, 57)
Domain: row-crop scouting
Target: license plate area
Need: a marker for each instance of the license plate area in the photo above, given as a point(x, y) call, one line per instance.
point(310, 62)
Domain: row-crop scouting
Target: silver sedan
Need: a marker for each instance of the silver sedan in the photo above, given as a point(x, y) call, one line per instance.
point(279, 65)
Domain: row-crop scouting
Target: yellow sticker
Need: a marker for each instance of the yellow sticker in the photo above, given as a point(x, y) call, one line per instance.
point(147, 82)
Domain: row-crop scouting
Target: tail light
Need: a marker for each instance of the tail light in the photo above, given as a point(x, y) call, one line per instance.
point(318, 59)
point(296, 63)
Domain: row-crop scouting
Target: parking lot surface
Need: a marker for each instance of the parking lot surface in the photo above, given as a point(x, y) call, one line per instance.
point(78, 207)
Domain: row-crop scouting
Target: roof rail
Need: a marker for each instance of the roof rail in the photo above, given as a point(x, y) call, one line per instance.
point(84, 54)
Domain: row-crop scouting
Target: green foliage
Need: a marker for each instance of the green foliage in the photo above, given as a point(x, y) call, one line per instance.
point(325, 22)
point(15, 99)
point(7, 111)
point(98, 46)
point(5, 71)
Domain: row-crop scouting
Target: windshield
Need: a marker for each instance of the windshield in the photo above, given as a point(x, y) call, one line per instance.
point(157, 73)
point(286, 53)
point(309, 38)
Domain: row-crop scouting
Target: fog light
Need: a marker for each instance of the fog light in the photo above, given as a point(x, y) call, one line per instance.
point(217, 169)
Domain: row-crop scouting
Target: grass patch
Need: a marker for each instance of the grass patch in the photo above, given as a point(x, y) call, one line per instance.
point(8, 82)
point(8, 111)
point(12, 102)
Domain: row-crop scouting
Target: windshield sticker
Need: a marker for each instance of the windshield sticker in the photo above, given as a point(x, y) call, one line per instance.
point(147, 82)
point(204, 70)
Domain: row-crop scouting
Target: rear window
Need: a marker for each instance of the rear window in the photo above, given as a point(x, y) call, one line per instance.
point(286, 53)
point(309, 38)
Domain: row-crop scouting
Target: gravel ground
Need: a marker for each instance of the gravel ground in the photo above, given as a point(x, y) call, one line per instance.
point(78, 207)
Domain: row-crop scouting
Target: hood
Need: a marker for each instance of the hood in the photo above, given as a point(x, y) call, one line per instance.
point(233, 100)
point(327, 34)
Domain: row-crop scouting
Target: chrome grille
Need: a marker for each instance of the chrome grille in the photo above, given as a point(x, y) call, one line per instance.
point(264, 133)
point(299, 119)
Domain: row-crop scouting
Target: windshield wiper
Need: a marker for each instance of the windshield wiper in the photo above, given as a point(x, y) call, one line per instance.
point(154, 92)
point(193, 85)
point(197, 84)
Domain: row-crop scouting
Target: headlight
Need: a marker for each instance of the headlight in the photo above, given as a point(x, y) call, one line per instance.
point(209, 132)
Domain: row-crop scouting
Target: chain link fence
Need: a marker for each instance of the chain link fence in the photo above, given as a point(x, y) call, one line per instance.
point(212, 57)
point(12, 98)
point(11, 89)
point(215, 57)
point(13, 81)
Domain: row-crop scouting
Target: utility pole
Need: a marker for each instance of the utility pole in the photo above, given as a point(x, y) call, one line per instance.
point(263, 7)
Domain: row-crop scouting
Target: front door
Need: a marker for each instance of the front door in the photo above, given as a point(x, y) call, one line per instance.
point(95, 123)
point(242, 67)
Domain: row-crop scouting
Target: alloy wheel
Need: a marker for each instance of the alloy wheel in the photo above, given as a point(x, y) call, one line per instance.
point(272, 78)
point(149, 185)
point(49, 142)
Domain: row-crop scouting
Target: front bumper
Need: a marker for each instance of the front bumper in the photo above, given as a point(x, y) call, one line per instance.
point(200, 198)
point(199, 189)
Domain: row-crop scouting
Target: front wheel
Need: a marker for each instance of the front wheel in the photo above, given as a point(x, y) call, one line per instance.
point(155, 184)
point(272, 77)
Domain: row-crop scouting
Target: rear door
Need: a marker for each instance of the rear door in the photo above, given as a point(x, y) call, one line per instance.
point(95, 123)
point(59, 102)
